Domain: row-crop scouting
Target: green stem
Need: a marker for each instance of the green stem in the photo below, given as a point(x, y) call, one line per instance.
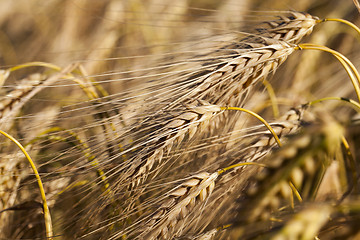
point(258, 117)
point(47, 217)
point(273, 99)
point(346, 63)
point(239, 165)
point(353, 26)
point(356, 105)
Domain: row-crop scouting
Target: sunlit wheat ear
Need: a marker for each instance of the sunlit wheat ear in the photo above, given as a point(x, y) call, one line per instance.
point(227, 73)
point(167, 221)
point(291, 27)
point(219, 207)
point(305, 224)
point(230, 78)
point(302, 161)
point(267, 50)
point(186, 123)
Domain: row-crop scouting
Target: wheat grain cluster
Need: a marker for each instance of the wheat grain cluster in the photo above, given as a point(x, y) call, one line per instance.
point(196, 120)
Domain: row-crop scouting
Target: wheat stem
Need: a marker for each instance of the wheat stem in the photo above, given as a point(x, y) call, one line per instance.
point(352, 161)
point(239, 165)
point(342, 59)
point(89, 92)
point(35, 64)
point(81, 145)
point(47, 217)
point(273, 98)
point(258, 117)
point(356, 105)
point(353, 26)
point(295, 191)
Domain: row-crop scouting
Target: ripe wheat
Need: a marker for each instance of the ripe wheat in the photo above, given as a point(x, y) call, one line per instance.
point(227, 84)
point(126, 157)
point(302, 162)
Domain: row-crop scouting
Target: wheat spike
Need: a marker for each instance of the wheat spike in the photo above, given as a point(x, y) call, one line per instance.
point(173, 132)
point(226, 80)
point(291, 27)
point(164, 223)
point(232, 181)
point(179, 203)
point(221, 74)
point(252, 58)
point(237, 69)
point(161, 224)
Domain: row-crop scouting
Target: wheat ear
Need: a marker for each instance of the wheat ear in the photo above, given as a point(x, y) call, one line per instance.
point(179, 202)
point(177, 205)
point(230, 77)
point(173, 132)
point(254, 57)
point(241, 154)
point(240, 67)
point(292, 27)
point(244, 70)
point(252, 65)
